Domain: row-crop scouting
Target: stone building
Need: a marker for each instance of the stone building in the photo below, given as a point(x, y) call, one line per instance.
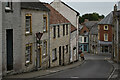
point(93, 39)
point(105, 34)
point(10, 38)
point(116, 34)
point(35, 36)
point(71, 15)
point(59, 38)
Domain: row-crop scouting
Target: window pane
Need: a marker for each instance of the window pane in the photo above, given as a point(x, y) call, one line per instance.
point(28, 24)
point(45, 23)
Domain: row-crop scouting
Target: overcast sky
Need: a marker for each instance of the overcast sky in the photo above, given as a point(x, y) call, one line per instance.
point(89, 6)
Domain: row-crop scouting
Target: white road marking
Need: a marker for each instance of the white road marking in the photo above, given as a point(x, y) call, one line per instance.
point(74, 77)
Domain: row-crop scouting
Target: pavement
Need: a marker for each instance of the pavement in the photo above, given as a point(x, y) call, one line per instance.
point(45, 72)
point(115, 75)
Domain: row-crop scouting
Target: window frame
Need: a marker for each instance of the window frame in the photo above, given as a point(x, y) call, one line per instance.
point(63, 29)
point(105, 27)
point(105, 37)
point(30, 54)
point(58, 28)
point(54, 32)
point(67, 29)
point(46, 27)
point(30, 15)
point(85, 38)
point(8, 6)
point(44, 49)
point(67, 48)
point(55, 54)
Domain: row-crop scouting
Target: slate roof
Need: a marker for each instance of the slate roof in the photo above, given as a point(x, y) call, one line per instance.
point(108, 19)
point(85, 34)
point(89, 24)
point(34, 5)
point(94, 29)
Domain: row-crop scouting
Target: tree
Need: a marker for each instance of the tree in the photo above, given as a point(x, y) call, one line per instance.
point(90, 17)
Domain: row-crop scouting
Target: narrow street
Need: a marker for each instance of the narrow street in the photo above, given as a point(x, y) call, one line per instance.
point(95, 66)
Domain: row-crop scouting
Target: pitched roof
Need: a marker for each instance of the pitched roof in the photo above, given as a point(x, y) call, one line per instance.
point(73, 28)
point(108, 19)
point(89, 24)
point(34, 5)
point(55, 16)
point(94, 29)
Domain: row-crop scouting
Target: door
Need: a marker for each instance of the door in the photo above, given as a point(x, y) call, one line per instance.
point(60, 55)
point(39, 58)
point(9, 45)
point(85, 47)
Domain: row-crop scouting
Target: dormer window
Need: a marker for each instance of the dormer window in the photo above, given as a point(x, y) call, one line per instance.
point(105, 27)
point(8, 6)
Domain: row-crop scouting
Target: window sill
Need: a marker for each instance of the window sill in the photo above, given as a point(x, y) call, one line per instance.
point(28, 34)
point(54, 59)
point(26, 64)
point(8, 9)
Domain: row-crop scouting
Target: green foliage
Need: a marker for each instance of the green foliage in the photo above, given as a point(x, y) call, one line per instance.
point(90, 17)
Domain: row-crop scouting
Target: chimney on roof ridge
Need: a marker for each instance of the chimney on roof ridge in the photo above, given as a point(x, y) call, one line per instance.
point(115, 7)
point(57, 0)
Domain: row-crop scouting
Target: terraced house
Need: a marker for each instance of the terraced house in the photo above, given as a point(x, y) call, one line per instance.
point(10, 37)
point(105, 34)
point(35, 35)
point(116, 34)
point(93, 39)
point(72, 15)
point(59, 38)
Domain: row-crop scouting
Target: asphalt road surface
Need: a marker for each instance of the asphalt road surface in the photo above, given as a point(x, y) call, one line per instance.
point(92, 68)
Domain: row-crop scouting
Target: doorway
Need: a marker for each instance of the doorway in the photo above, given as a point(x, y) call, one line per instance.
point(9, 45)
point(60, 55)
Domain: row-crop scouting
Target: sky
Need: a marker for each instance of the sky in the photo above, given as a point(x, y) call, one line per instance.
point(103, 7)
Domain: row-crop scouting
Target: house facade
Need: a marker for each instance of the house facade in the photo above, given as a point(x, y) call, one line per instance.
point(84, 42)
point(35, 36)
point(59, 38)
point(84, 31)
point(70, 14)
point(105, 34)
point(116, 35)
point(93, 39)
point(73, 52)
point(11, 38)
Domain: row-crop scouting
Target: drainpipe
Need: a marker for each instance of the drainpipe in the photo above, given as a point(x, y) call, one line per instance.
point(117, 41)
point(1, 40)
point(49, 39)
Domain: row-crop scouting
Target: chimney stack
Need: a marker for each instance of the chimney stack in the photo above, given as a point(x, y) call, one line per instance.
point(115, 7)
